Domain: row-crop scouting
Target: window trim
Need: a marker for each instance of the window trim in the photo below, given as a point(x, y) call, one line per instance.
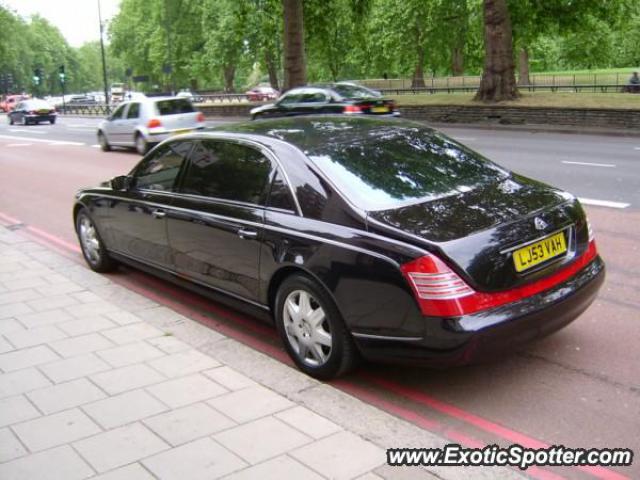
point(273, 159)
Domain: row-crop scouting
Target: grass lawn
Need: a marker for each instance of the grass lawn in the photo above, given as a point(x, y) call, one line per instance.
point(536, 99)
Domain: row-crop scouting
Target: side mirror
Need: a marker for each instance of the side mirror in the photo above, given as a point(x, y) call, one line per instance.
point(122, 182)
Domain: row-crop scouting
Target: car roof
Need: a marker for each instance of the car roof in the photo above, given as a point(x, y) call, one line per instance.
point(311, 132)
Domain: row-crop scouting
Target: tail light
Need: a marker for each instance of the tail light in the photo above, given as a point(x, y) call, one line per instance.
point(200, 117)
point(440, 292)
point(352, 109)
point(154, 123)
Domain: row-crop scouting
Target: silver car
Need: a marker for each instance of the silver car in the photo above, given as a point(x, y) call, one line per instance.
point(145, 122)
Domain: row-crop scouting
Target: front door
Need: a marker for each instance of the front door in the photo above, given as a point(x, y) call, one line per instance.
point(136, 222)
point(115, 126)
point(215, 228)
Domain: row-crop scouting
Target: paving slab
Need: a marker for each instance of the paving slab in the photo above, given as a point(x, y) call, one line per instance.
point(10, 446)
point(188, 423)
point(65, 395)
point(57, 429)
point(201, 459)
point(261, 439)
point(124, 408)
point(127, 378)
point(60, 463)
point(119, 447)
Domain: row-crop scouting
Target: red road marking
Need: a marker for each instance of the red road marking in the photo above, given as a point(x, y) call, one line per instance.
point(398, 389)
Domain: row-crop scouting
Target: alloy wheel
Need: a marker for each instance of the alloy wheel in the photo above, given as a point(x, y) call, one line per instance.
point(141, 145)
point(89, 240)
point(307, 328)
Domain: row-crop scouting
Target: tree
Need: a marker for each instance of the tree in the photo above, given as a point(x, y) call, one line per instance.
point(295, 73)
point(498, 81)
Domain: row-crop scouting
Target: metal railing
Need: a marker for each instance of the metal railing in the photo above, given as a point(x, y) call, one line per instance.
point(97, 110)
point(535, 80)
point(601, 88)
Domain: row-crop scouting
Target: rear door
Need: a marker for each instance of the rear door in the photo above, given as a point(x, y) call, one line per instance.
point(129, 123)
point(216, 228)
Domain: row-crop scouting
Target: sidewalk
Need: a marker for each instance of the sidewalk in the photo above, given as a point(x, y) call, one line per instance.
point(100, 382)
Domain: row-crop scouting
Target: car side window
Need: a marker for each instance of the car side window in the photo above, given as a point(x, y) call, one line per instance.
point(289, 99)
point(159, 171)
point(134, 110)
point(316, 97)
point(117, 115)
point(280, 195)
point(227, 171)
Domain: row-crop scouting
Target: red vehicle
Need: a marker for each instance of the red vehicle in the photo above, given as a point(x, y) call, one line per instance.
point(262, 94)
point(10, 102)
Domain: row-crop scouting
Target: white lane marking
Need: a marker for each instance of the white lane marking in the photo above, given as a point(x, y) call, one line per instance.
point(40, 140)
point(58, 143)
point(18, 145)
point(603, 203)
point(79, 125)
point(95, 146)
point(24, 130)
point(636, 148)
point(588, 164)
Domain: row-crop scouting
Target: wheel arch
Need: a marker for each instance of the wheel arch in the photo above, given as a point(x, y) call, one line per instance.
point(287, 271)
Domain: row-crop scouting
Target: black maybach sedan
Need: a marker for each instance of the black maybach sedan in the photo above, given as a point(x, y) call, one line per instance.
point(359, 236)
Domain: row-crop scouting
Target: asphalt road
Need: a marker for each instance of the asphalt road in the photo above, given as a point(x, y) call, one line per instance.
point(579, 387)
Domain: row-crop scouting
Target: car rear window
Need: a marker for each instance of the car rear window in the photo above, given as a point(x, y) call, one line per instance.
point(352, 91)
point(393, 167)
point(174, 106)
point(37, 105)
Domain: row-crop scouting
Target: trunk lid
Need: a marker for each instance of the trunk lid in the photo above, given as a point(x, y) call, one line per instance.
point(477, 231)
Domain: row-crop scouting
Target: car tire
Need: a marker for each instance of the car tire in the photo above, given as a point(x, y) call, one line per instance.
point(142, 147)
point(314, 335)
point(104, 143)
point(10, 120)
point(52, 121)
point(91, 244)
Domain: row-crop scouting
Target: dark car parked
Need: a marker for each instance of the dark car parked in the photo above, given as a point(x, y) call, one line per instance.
point(358, 235)
point(333, 98)
point(32, 111)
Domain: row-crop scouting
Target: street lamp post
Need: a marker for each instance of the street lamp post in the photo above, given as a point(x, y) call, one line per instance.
point(104, 61)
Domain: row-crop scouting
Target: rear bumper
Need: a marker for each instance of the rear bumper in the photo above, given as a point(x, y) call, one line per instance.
point(472, 338)
point(157, 137)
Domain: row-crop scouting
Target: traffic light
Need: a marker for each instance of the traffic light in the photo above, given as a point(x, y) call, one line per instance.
point(37, 76)
point(61, 73)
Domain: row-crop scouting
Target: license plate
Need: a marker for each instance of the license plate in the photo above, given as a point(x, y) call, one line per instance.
point(180, 132)
point(43, 112)
point(534, 254)
point(380, 109)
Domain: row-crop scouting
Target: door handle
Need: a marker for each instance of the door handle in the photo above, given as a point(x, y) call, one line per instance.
point(245, 234)
point(158, 213)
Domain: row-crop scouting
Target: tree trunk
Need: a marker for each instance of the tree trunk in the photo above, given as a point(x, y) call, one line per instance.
point(418, 73)
point(229, 75)
point(295, 74)
point(523, 67)
point(272, 69)
point(457, 62)
point(498, 77)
